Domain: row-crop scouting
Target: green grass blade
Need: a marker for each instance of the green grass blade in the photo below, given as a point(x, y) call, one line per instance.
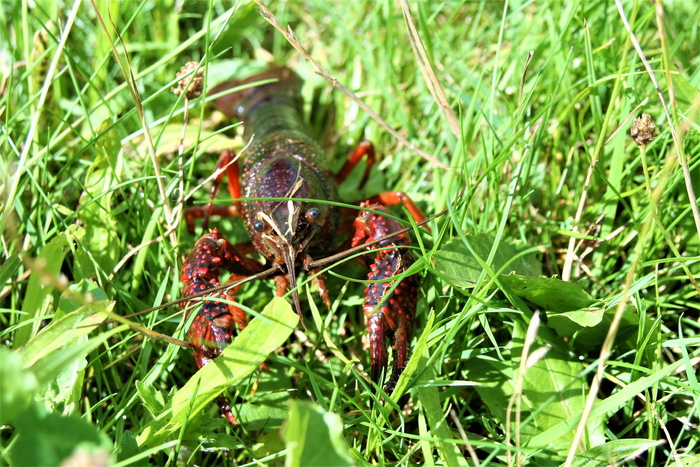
point(252, 346)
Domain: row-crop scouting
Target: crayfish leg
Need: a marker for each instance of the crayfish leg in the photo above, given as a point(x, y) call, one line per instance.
point(228, 165)
point(390, 314)
point(392, 198)
point(238, 315)
point(320, 282)
point(210, 332)
point(403, 306)
point(363, 149)
point(225, 409)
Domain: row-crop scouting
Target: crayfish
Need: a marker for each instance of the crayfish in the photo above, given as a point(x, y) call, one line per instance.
point(284, 162)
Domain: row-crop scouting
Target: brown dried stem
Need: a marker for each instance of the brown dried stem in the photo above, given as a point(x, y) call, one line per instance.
point(289, 35)
point(427, 70)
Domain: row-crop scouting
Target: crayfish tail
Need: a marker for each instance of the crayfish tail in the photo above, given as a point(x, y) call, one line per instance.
point(240, 103)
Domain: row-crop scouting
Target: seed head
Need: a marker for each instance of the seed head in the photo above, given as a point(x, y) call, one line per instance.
point(643, 130)
point(196, 82)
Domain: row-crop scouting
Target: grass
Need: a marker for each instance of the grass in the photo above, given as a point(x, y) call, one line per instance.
point(543, 179)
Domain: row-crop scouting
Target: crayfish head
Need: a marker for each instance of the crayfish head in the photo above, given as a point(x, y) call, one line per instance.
point(294, 221)
point(286, 235)
point(285, 231)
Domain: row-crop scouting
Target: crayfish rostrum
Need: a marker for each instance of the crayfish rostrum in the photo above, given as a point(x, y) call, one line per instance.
point(284, 162)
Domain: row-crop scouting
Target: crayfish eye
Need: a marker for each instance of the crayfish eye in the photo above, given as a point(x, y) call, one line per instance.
point(258, 226)
point(312, 214)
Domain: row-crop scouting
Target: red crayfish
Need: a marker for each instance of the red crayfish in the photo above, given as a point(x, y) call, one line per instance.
point(283, 161)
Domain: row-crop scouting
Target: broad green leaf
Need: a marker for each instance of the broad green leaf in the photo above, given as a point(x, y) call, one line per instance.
point(494, 378)
point(587, 328)
point(247, 352)
point(315, 437)
point(45, 270)
point(268, 407)
point(612, 403)
point(571, 311)
point(151, 397)
point(56, 356)
point(614, 452)
point(78, 295)
point(50, 439)
point(460, 268)
point(569, 322)
point(269, 444)
point(17, 386)
point(690, 461)
point(126, 448)
point(263, 335)
point(49, 367)
point(101, 242)
point(553, 391)
point(551, 294)
point(63, 394)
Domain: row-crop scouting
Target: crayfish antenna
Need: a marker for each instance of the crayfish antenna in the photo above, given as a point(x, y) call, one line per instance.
point(297, 305)
point(289, 259)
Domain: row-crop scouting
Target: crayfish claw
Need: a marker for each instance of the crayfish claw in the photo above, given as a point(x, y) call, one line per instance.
point(389, 306)
point(216, 320)
point(378, 354)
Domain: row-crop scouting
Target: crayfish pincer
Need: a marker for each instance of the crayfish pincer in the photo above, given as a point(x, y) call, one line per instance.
point(389, 307)
point(287, 194)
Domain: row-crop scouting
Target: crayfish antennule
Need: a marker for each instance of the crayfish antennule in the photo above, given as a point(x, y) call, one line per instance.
point(297, 305)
